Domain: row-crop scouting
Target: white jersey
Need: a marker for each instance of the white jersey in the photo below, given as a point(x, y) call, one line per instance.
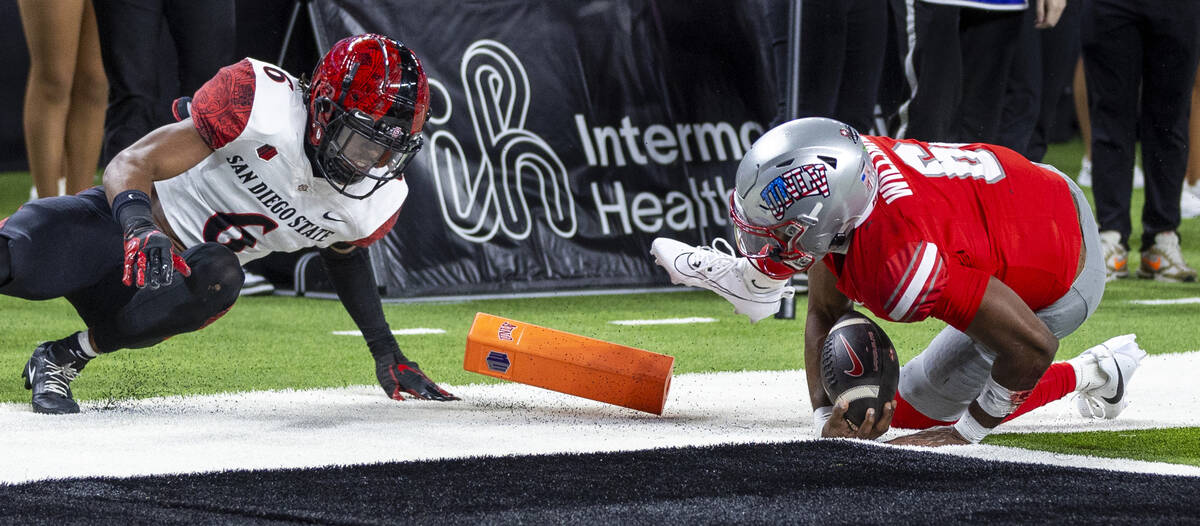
point(256, 193)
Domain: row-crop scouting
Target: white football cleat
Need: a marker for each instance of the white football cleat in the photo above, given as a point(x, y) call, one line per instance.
point(1117, 359)
point(719, 269)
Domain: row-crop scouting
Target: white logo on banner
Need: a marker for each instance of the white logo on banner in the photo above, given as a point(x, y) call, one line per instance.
point(478, 205)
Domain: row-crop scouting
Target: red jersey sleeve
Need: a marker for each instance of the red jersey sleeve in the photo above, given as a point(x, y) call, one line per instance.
point(914, 282)
point(221, 107)
point(378, 233)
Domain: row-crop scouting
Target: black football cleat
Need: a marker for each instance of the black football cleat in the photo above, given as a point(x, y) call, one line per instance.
point(50, 381)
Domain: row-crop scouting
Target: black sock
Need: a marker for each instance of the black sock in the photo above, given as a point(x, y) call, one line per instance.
point(69, 350)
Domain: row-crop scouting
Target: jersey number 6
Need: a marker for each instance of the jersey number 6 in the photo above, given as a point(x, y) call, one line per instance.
point(231, 229)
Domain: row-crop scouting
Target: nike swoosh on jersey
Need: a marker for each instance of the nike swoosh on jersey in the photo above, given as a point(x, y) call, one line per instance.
point(1120, 388)
point(327, 215)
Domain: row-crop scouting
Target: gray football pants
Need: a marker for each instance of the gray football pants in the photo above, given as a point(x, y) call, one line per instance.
point(943, 380)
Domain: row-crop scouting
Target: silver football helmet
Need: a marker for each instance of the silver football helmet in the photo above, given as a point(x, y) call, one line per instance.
point(800, 190)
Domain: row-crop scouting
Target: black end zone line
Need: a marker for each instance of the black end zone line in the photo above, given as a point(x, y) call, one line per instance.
point(808, 482)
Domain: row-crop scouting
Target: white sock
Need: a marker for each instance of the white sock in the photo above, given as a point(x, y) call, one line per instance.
point(1087, 373)
point(751, 273)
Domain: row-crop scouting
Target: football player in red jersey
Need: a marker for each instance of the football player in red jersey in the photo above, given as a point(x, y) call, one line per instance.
point(1003, 250)
point(259, 162)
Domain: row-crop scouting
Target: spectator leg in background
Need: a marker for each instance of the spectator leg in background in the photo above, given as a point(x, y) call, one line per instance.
point(132, 66)
point(865, 45)
point(988, 47)
point(1172, 49)
point(53, 35)
point(1079, 90)
point(1191, 188)
point(1060, 53)
point(1023, 93)
point(822, 57)
point(1112, 62)
point(205, 36)
point(931, 49)
point(89, 95)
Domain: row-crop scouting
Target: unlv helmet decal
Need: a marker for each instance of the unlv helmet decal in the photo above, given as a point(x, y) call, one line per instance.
point(788, 188)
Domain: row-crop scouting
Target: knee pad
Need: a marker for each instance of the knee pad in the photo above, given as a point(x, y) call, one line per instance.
point(217, 275)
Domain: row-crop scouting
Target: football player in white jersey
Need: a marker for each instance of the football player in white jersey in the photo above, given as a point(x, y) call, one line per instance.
point(259, 162)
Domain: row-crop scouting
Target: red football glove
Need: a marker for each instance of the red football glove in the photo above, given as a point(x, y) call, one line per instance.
point(397, 375)
point(149, 257)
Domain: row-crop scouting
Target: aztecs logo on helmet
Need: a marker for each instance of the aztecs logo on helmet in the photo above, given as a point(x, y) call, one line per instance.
point(367, 105)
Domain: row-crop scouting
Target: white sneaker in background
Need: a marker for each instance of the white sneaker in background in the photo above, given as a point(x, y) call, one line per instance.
point(1085, 173)
point(1116, 258)
point(719, 269)
point(256, 285)
point(1189, 205)
point(1163, 261)
point(1139, 176)
point(62, 189)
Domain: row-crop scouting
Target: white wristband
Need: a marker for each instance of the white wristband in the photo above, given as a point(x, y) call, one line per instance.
point(820, 417)
point(970, 428)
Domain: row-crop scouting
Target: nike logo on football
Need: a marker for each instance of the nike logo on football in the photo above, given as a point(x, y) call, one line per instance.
point(857, 370)
point(330, 217)
point(1120, 388)
point(754, 283)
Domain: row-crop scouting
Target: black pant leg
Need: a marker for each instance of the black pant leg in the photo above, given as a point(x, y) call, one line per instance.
point(1023, 94)
point(1172, 49)
point(128, 30)
point(988, 47)
point(205, 35)
point(822, 57)
point(893, 84)
point(865, 46)
point(1060, 51)
point(778, 20)
point(936, 73)
point(1112, 63)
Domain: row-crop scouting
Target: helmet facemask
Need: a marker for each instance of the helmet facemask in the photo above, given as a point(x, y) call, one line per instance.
point(358, 156)
point(779, 242)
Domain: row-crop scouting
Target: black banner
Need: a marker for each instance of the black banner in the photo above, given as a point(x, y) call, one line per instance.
point(564, 136)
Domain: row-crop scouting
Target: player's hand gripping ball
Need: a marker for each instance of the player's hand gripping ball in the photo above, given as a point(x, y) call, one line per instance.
point(859, 366)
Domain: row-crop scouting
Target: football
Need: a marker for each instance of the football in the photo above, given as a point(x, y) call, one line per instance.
point(859, 365)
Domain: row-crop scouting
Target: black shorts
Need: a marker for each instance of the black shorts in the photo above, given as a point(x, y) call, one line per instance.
point(70, 247)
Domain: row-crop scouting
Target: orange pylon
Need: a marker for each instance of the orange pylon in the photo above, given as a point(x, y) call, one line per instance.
point(568, 363)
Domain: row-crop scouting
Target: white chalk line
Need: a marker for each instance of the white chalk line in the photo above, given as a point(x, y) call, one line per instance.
point(398, 332)
point(358, 425)
point(1176, 301)
point(664, 321)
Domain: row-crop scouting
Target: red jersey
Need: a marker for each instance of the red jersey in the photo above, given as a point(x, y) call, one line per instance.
point(947, 218)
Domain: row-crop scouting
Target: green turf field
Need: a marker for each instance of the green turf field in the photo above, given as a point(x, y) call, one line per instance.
point(283, 342)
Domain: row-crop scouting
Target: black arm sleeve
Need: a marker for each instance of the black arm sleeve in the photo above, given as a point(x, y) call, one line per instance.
point(355, 285)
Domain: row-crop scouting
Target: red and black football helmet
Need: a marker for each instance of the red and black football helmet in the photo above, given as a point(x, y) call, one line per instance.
point(367, 103)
